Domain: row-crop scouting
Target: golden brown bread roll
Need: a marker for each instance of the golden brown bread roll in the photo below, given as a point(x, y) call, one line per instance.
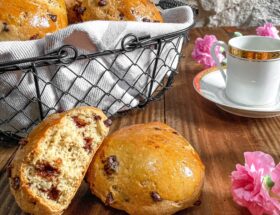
point(31, 19)
point(52, 161)
point(129, 10)
point(146, 169)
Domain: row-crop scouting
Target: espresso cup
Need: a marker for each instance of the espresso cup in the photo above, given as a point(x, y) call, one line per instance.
point(253, 69)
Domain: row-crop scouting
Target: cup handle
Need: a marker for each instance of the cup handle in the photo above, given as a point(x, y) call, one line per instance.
point(216, 59)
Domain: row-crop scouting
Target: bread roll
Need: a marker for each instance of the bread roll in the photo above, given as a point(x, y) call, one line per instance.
point(146, 169)
point(31, 19)
point(74, 11)
point(52, 161)
point(128, 10)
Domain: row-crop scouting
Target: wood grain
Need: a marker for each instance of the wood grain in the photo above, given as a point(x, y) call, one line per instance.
point(6, 154)
point(219, 137)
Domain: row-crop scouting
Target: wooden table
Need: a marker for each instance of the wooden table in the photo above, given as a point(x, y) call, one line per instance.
point(219, 137)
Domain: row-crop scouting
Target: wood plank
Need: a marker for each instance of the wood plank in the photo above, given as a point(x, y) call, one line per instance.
point(6, 152)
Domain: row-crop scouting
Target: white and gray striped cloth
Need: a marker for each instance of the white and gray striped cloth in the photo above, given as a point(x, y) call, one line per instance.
point(78, 77)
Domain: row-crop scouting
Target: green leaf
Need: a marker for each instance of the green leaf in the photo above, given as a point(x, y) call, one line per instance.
point(268, 182)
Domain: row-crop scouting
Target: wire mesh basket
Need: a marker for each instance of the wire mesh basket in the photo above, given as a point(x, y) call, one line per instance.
point(155, 78)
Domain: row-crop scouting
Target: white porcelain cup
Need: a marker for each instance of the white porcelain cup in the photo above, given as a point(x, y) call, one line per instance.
point(253, 69)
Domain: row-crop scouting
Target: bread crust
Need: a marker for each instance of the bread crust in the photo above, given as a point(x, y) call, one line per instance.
point(152, 170)
point(26, 199)
point(115, 10)
point(31, 19)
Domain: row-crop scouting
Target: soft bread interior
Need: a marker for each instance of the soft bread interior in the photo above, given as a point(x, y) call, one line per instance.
point(55, 171)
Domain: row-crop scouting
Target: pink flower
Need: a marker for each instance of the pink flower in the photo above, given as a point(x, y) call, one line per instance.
point(268, 30)
point(201, 51)
point(248, 189)
point(275, 176)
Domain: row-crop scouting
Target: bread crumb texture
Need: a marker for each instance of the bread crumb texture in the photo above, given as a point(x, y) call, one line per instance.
point(57, 155)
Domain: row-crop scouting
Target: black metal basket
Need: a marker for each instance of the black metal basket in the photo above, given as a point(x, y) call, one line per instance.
point(61, 59)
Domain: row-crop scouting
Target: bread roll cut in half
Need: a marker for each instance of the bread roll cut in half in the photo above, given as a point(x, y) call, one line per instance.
point(31, 19)
point(51, 163)
point(117, 10)
point(146, 169)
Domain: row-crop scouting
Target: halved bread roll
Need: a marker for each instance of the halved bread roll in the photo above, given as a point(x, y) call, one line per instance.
point(52, 161)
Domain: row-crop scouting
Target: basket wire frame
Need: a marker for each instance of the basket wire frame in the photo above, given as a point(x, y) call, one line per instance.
point(61, 60)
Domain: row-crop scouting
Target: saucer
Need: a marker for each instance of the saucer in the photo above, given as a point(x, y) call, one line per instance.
point(210, 84)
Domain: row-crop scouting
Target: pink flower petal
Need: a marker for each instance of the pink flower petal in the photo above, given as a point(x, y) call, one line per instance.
point(268, 30)
point(275, 176)
point(259, 161)
point(201, 52)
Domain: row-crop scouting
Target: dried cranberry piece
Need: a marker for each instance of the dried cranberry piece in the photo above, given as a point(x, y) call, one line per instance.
point(34, 37)
point(46, 170)
point(79, 122)
point(15, 183)
point(145, 19)
point(5, 27)
point(53, 193)
point(109, 199)
point(88, 144)
point(79, 11)
point(97, 117)
point(108, 122)
point(9, 170)
point(22, 142)
point(121, 16)
point(33, 202)
point(60, 110)
point(158, 129)
point(155, 196)
point(197, 203)
point(111, 165)
point(102, 3)
point(53, 17)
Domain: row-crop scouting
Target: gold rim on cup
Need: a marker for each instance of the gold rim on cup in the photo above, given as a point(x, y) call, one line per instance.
point(251, 55)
